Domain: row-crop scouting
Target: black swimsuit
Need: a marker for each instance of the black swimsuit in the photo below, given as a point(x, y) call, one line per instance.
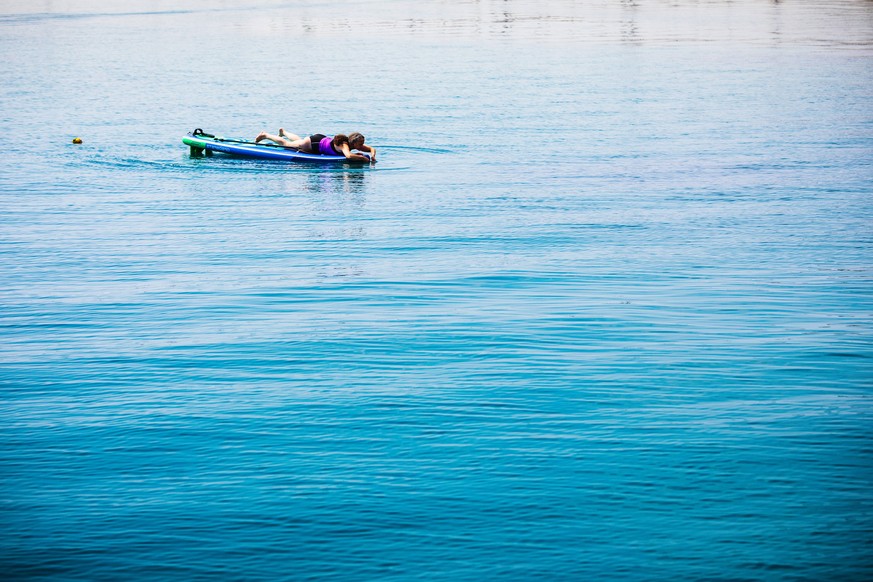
point(314, 139)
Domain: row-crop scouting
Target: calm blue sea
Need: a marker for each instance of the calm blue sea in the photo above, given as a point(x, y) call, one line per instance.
point(602, 311)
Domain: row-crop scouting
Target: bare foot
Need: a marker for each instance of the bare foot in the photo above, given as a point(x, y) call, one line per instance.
point(262, 135)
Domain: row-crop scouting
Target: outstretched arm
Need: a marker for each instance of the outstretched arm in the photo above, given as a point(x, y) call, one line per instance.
point(370, 150)
point(354, 157)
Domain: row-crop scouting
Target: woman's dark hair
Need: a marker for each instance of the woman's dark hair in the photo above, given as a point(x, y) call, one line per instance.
point(338, 140)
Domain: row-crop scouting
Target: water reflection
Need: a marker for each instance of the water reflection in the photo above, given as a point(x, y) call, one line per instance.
point(337, 185)
point(838, 23)
point(630, 32)
point(336, 200)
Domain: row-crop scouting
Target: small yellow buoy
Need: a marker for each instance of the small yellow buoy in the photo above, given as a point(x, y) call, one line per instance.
point(77, 140)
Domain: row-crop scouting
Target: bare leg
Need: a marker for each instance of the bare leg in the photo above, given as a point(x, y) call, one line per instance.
point(302, 144)
point(274, 138)
point(291, 136)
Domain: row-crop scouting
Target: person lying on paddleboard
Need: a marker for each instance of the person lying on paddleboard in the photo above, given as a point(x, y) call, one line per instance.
point(318, 143)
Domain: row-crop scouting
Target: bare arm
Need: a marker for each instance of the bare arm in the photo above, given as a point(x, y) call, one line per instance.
point(354, 157)
point(370, 150)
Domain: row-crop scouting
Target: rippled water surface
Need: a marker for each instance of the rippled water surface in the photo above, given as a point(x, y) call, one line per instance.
point(601, 311)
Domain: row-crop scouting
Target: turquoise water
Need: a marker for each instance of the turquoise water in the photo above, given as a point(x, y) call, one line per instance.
point(601, 311)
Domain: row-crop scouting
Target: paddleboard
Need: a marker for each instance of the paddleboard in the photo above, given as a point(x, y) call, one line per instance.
point(205, 143)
